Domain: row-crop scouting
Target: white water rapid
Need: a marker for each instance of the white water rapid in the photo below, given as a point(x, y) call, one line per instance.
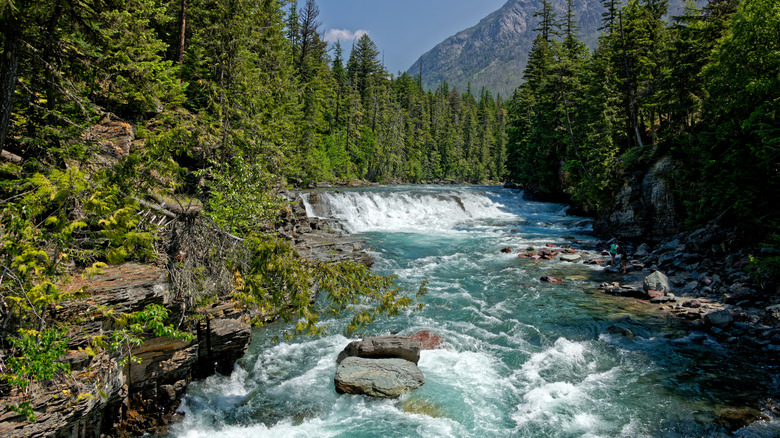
point(523, 359)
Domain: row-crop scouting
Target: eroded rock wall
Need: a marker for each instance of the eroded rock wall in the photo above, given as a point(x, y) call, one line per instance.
point(104, 398)
point(645, 207)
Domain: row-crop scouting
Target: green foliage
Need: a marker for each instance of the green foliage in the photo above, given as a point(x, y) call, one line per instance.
point(35, 356)
point(276, 280)
point(741, 149)
point(58, 217)
point(137, 325)
point(580, 123)
point(135, 77)
point(240, 197)
point(766, 267)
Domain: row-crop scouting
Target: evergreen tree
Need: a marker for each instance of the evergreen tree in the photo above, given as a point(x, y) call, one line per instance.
point(740, 134)
point(365, 68)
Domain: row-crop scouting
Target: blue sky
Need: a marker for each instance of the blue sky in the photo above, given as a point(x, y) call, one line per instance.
point(402, 29)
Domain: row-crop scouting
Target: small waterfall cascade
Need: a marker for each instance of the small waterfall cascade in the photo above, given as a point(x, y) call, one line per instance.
point(412, 211)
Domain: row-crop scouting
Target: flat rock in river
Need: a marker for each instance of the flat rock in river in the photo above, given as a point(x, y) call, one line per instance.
point(383, 347)
point(388, 378)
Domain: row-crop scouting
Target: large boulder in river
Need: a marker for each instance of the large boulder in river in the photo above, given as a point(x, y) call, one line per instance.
point(383, 347)
point(657, 281)
point(388, 378)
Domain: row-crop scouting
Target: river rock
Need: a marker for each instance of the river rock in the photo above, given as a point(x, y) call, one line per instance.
point(773, 313)
point(570, 257)
point(657, 281)
point(719, 319)
point(549, 279)
point(428, 340)
point(388, 378)
point(655, 294)
point(383, 347)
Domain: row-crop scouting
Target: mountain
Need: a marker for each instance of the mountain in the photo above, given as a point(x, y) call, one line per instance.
point(493, 53)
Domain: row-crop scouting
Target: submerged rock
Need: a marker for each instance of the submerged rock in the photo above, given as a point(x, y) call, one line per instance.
point(422, 406)
point(620, 331)
point(388, 378)
point(428, 340)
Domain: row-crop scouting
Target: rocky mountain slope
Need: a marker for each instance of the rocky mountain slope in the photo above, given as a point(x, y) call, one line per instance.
point(493, 53)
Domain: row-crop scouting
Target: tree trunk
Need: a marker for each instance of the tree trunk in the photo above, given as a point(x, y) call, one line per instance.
point(8, 73)
point(182, 31)
point(631, 98)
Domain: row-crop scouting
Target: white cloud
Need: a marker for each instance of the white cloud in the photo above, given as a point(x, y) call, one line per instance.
point(334, 35)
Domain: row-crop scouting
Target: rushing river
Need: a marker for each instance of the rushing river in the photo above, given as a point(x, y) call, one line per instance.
point(524, 358)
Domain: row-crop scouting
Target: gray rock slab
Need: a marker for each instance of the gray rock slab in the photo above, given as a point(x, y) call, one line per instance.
point(387, 378)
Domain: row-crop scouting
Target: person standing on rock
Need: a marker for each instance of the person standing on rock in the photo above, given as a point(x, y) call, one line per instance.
point(613, 249)
point(621, 252)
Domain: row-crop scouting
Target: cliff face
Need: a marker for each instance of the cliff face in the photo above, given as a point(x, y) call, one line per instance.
point(105, 398)
point(493, 54)
point(645, 206)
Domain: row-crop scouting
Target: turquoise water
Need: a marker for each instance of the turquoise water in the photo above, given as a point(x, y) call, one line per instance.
point(524, 358)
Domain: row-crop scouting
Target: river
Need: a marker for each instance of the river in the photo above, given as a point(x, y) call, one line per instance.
point(524, 358)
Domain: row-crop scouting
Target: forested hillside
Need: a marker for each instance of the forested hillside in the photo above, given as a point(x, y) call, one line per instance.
point(702, 90)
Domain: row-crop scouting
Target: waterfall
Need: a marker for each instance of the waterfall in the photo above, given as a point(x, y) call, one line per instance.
point(415, 211)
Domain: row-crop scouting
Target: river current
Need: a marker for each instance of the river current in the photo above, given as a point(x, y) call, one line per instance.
point(524, 358)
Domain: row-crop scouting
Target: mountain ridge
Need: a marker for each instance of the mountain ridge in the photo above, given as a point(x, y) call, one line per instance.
point(493, 53)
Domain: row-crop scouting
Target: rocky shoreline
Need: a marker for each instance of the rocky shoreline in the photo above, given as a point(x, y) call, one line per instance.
point(700, 282)
point(103, 398)
point(711, 293)
point(709, 289)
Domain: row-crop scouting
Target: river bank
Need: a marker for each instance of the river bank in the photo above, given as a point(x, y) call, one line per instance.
point(711, 295)
point(525, 357)
point(104, 397)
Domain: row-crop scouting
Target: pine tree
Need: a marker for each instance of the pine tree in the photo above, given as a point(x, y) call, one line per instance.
point(365, 68)
point(548, 21)
point(740, 133)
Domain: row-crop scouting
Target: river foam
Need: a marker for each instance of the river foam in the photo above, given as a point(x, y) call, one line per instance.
point(522, 358)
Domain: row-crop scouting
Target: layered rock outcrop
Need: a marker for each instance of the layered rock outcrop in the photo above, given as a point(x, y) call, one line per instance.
point(102, 398)
point(105, 398)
